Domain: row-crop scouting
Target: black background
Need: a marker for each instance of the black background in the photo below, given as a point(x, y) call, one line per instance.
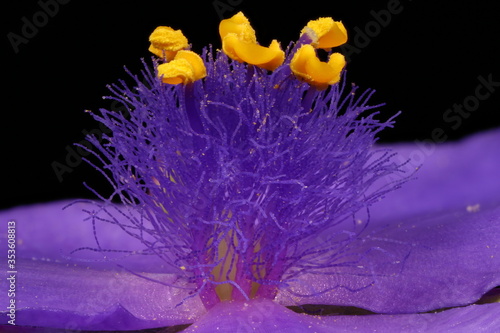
point(427, 58)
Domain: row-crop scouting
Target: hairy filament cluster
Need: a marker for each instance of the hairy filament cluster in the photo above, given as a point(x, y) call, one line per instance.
point(246, 179)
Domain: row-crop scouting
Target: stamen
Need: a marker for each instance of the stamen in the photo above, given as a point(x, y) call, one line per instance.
point(244, 181)
point(186, 67)
point(239, 25)
point(240, 44)
point(326, 33)
point(306, 65)
point(268, 58)
point(165, 42)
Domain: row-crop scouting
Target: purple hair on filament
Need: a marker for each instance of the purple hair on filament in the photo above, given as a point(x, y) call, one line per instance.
point(246, 179)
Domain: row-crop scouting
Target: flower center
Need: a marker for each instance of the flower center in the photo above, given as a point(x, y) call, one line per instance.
point(242, 168)
point(227, 270)
point(242, 267)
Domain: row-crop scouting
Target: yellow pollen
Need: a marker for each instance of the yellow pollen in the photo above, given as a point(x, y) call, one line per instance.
point(186, 67)
point(252, 53)
point(326, 33)
point(239, 25)
point(306, 65)
point(240, 44)
point(227, 268)
point(165, 42)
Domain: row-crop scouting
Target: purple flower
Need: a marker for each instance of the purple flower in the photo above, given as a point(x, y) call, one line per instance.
point(247, 180)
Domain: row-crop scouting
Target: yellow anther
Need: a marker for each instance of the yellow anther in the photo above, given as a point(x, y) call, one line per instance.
point(166, 42)
point(306, 65)
point(186, 67)
point(240, 44)
point(326, 33)
point(265, 57)
point(239, 25)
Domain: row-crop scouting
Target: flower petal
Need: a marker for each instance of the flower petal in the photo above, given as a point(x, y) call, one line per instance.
point(53, 231)
point(266, 316)
point(259, 315)
point(458, 175)
point(74, 297)
point(473, 318)
point(56, 290)
point(433, 252)
point(415, 265)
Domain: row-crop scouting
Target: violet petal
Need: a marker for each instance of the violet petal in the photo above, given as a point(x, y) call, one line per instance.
point(473, 318)
point(57, 290)
point(54, 230)
point(434, 242)
point(452, 175)
point(266, 316)
point(71, 297)
point(416, 265)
